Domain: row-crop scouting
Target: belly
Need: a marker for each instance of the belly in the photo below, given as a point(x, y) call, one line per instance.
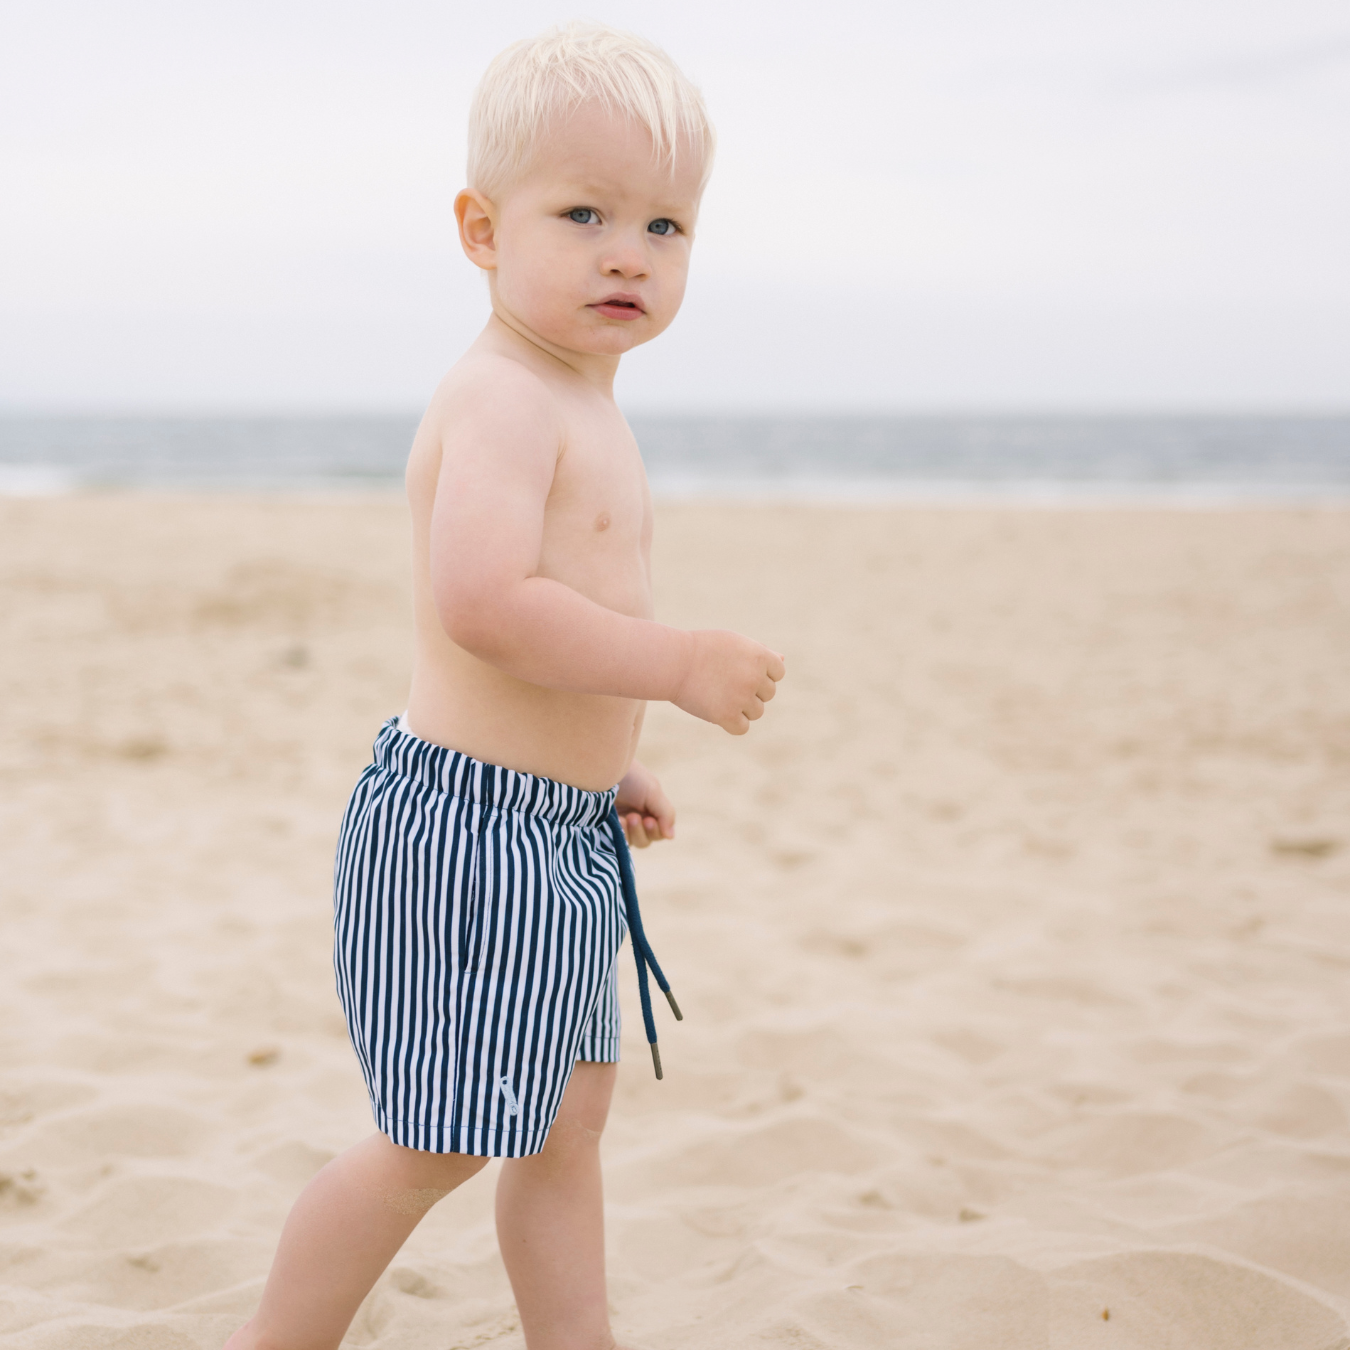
point(587, 740)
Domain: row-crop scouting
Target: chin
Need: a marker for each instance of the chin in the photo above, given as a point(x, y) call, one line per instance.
point(608, 342)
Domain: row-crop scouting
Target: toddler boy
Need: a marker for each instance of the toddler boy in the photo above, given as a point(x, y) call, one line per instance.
point(479, 887)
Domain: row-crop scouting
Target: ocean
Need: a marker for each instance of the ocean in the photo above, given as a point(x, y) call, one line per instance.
point(1067, 458)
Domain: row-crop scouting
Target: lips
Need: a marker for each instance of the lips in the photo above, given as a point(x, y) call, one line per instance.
point(619, 307)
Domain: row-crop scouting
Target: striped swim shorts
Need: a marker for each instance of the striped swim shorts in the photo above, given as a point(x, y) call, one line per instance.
point(477, 920)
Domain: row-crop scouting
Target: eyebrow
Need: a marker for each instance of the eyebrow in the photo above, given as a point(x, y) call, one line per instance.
point(580, 188)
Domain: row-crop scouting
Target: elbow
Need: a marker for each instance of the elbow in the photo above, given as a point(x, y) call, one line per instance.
point(472, 622)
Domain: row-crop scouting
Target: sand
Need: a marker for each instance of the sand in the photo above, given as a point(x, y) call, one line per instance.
point(1013, 945)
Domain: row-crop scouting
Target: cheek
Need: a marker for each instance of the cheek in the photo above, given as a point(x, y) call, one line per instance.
point(674, 277)
point(537, 276)
point(545, 254)
point(679, 278)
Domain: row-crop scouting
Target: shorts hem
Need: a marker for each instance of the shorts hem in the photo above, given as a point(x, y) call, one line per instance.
point(502, 1142)
point(598, 1050)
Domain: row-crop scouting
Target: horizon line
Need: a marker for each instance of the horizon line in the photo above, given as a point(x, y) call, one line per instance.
point(936, 411)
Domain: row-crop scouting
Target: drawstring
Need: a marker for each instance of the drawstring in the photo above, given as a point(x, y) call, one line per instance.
point(642, 951)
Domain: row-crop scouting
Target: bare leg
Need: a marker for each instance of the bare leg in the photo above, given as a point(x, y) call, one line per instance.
point(345, 1228)
point(551, 1223)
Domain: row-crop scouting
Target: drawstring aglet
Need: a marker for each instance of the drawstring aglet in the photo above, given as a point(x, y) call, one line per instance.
point(642, 952)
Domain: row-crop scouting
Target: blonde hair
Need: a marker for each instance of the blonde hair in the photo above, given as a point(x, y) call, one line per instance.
point(534, 81)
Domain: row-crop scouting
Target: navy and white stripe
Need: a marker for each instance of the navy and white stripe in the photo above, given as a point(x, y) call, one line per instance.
point(477, 918)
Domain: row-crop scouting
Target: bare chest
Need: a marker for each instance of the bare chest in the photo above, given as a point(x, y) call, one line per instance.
point(598, 518)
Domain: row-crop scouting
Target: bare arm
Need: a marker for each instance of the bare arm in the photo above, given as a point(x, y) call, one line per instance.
point(499, 453)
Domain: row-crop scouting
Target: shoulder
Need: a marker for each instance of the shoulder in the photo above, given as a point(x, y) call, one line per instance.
point(491, 399)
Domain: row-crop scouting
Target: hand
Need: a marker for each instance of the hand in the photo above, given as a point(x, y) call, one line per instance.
point(729, 679)
point(645, 810)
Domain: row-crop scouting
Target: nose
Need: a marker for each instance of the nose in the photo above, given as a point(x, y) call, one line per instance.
point(626, 257)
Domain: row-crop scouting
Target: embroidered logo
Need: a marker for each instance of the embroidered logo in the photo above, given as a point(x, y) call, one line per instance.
point(512, 1107)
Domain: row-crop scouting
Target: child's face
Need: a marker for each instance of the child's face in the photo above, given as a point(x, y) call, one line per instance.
point(591, 246)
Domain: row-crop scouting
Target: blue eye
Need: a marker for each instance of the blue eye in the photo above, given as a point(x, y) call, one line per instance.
point(583, 215)
point(662, 226)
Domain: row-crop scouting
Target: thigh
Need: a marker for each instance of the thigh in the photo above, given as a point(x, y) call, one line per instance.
point(582, 1114)
point(416, 1169)
point(586, 1101)
point(574, 1140)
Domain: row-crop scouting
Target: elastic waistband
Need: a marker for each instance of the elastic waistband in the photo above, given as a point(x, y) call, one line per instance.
point(459, 775)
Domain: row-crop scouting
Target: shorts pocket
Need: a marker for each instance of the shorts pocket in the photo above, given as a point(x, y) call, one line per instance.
point(472, 918)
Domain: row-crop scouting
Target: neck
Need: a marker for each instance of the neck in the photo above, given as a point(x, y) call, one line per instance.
point(596, 370)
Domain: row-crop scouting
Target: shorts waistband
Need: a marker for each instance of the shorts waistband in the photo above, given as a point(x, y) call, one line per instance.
point(460, 775)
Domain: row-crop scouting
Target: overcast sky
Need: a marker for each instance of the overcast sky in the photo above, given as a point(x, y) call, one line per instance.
point(943, 204)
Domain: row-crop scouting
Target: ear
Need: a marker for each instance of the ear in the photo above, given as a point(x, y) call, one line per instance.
point(477, 219)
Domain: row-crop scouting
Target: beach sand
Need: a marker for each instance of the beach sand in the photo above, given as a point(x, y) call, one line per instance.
point(1013, 945)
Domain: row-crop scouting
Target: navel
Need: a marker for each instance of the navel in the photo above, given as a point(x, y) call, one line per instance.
point(602, 522)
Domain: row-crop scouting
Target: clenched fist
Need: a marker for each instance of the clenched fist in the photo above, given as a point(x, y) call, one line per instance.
point(728, 680)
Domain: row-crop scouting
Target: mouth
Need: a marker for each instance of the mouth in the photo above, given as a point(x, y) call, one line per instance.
point(619, 307)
